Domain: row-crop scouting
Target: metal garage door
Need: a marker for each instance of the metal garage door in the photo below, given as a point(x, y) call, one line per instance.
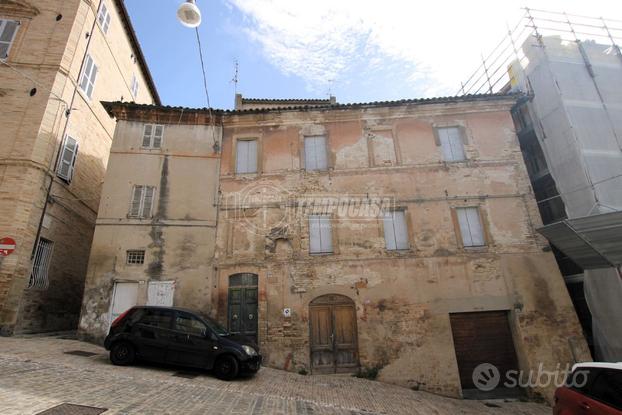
point(482, 337)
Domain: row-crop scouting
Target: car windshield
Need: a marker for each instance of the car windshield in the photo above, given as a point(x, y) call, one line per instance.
point(217, 328)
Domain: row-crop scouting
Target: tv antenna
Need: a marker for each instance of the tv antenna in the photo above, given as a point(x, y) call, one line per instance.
point(236, 76)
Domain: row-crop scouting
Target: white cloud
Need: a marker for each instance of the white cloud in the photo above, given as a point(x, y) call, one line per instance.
point(427, 47)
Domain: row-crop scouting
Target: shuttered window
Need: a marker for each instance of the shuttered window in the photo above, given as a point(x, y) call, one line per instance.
point(152, 135)
point(67, 160)
point(134, 86)
point(471, 228)
point(41, 265)
point(395, 230)
point(142, 200)
point(8, 29)
point(246, 156)
point(315, 153)
point(89, 75)
point(320, 235)
point(451, 143)
point(103, 18)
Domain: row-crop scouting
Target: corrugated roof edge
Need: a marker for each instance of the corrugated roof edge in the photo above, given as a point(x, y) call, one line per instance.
point(139, 52)
point(419, 101)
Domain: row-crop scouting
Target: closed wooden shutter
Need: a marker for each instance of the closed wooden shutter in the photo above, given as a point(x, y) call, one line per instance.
point(395, 230)
point(320, 234)
point(147, 132)
point(147, 201)
point(67, 161)
point(451, 143)
point(315, 153)
point(246, 156)
point(89, 75)
point(157, 136)
point(471, 228)
point(137, 195)
point(8, 30)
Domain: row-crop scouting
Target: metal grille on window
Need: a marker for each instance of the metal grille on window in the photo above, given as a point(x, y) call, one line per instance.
point(135, 257)
point(67, 160)
point(41, 265)
point(142, 199)
point(8, 29)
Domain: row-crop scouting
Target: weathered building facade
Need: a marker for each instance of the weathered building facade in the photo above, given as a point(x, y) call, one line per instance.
point(58, 59)
point(397, 235)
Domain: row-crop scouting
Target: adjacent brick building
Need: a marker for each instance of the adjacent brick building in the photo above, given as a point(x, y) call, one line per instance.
point(392, 235)
point(59, 58)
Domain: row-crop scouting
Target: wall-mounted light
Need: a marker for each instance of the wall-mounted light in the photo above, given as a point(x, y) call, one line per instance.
point(189, 14)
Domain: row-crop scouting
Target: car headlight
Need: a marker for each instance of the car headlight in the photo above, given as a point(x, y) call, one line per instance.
point(249, 350)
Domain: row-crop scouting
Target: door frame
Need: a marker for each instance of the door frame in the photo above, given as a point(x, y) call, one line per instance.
point(321, 301)
point(247, 280)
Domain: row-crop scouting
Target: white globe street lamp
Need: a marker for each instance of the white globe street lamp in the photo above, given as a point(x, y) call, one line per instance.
point(189, 14)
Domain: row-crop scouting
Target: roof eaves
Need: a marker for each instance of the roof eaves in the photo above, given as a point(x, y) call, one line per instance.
point(139, 52)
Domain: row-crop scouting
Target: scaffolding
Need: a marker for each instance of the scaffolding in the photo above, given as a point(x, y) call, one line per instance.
point(492, 76)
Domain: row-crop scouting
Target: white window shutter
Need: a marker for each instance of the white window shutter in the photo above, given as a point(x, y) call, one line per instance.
point(93, 77)
point(67, 159)
point(320, 153)
point(84, 81)
point(252, 156)
point(443, 136)
point(137, 195)
point(241, 158)
point(147, 201)
point(326, 237)
point(148, 130)
point(465, 231)
point(157, 136)
point(310, 156)
point(107, 23)
point(315, 239)
point(389, 231)
point(400, 229)
point(455, 141)
point(8, 30)
point(475, 225)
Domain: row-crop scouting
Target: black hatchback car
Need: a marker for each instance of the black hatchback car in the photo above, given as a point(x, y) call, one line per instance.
point(180, 337)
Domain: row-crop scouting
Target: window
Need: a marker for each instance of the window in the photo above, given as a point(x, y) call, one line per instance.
point(190, 325)
point(89, 75)
point(41, 265)
point(246, 156)
point(134, 86)
point(8, 29)
point(450, 140)
point(320, 235)
point(152, 135)
point(315, 153)
point(67, 159)
point(395, 230)
point(470, 226)
point(103, 18)
point(135, 257)
point(142, 199)
point(157, 318)
point(607, 388)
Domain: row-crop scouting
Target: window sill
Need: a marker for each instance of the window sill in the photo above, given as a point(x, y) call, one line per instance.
point(483, 248)
point(321, 253)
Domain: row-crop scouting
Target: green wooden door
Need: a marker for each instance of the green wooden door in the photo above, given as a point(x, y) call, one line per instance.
point(242, 305)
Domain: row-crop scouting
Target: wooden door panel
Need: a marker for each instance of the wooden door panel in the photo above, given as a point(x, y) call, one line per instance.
point(249, 312)
point(344, 326)
point(321, 327)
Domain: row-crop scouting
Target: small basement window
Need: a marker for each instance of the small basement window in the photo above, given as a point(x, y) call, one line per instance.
point(135, 257)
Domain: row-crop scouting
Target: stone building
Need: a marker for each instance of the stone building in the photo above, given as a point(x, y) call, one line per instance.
point(397, 236)
point(58, 60)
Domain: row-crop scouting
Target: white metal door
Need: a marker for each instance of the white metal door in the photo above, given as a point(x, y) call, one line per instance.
point(124, 297)
point(160, 293)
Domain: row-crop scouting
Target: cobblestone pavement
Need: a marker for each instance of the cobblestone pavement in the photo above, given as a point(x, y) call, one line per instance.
point(37, 374)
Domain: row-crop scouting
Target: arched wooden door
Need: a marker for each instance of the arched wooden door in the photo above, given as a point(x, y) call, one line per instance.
point(333, 335)
point(242, 304)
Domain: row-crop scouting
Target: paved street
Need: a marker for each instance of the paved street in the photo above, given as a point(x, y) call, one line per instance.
point(37, 374)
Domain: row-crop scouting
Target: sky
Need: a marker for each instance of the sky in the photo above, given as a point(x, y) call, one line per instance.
point(356, 50)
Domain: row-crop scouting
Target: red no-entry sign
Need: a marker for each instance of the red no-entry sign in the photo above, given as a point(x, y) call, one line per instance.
point(7, 246)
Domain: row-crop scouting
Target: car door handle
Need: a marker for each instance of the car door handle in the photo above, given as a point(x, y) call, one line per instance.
point(585, 405)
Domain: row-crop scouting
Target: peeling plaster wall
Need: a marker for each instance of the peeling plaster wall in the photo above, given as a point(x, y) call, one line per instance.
point(403, 299)
point(178, 239)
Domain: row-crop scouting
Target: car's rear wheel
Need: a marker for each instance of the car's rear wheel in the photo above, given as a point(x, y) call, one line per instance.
point(122, 354)
point(226, 367)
